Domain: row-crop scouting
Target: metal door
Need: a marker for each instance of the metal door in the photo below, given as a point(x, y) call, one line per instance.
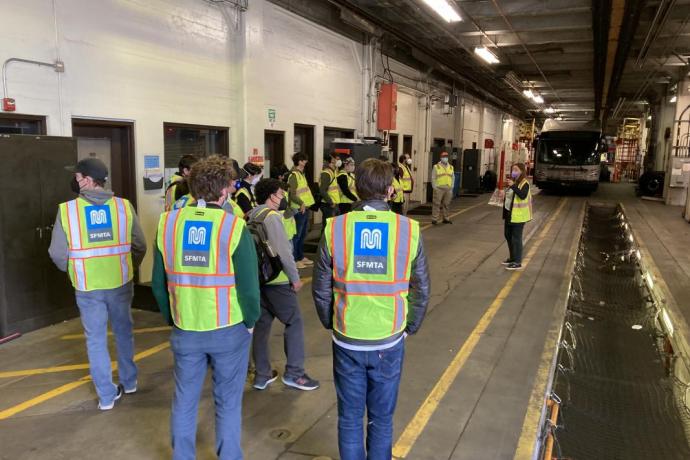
point(100, 148)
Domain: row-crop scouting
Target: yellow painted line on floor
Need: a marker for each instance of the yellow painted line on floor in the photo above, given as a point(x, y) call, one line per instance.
point(43, 370)
point(9, 412)
point(421, 418)
point(424, 227)
point(530, 424)
point(143, 330)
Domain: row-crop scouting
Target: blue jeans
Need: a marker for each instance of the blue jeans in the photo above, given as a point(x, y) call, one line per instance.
point(95, 309)
point(367, 380)
point(227, 352)
point(302, 221)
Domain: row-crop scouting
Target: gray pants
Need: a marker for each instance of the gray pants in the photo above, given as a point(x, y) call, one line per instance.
point(441, 203)
point(279, 301)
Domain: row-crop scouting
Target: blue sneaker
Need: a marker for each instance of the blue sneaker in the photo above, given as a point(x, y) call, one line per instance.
point(261, 383)
point(304, 382)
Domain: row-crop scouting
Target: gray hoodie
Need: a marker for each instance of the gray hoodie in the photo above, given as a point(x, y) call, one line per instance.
point(275, 231)
point(59, 249)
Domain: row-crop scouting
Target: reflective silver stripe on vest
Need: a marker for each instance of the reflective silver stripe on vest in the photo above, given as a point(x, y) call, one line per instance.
point(74, 224)
point(400, 316)
point(338, 248)
point(79, 274)
point(340, 312)
point(374, 289)
point(210, 281)
point(226, 230)
point(123, 236)
point(404, 246)
point(169, 241)
point(223, 307)
point(122, 249)
point(522, 204)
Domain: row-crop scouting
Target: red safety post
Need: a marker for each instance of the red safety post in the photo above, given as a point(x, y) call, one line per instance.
point(501, 169)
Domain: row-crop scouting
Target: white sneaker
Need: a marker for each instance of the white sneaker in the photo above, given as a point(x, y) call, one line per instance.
point(306, 261)
point(300, 264)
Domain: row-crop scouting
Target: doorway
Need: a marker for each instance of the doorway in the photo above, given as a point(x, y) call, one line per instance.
point(304, 143)
point(407, 145)
point(274, 150)
point(113, 143)
point(393, 146)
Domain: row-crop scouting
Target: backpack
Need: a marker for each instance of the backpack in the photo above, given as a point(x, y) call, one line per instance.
point(270, 265)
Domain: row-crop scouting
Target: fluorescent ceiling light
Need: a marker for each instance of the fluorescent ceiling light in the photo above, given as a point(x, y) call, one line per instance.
point(443, 9)
point(538, 99)
point(673, 99)
point(528, 93)
point(549, 110)
point(484, 53)
point(559, 118)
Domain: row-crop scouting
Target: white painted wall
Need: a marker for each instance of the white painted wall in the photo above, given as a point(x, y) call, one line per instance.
point(188, 61)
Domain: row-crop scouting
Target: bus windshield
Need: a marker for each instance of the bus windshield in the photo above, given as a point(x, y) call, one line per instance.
point(569, 151)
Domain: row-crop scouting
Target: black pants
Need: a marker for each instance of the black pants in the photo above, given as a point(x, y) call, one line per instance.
point(344, 208)
point(513, 234)
point(396, 207)
point(327, 212)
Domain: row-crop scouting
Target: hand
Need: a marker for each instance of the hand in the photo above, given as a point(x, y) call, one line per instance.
point(297, 285)
point(509, 182)
point(250, 330)
point(302, 209)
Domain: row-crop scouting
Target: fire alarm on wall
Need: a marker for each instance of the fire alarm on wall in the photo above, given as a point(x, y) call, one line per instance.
point(8, 104)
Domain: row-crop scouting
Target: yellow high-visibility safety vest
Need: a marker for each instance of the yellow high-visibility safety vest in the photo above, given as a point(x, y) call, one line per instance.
point(170, 191)
point(188, 200)
point(350, 185)
point(398, 197)
point(303, 191)
point(197, 245)
point(406, 178)
point(333, 190)
point(521, 211)
point(372, 253)
point(245, 192)
point(444, 175)
point(99, 240)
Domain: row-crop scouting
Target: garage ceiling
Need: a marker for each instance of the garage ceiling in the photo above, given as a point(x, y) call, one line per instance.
point(586, 58)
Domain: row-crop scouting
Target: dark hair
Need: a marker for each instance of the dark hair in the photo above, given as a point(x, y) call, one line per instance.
point(239, 172)
point(252, 169)
point(265, 188)
point(186, 162)
point(523, 172)
point(209, 177)
point(372, 179)
point(297, 157)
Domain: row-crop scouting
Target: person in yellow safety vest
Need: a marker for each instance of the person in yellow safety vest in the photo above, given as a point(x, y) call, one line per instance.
point(371, 287)
point(442, 179)
point(398, 197)
point(244, 196)
point(281, 172)
point(517, 210)
point(229, 206)
point(206, 283)
point(346, 184)
point(328, 186)
point(407, 180)
point(279, 297)
point(97, 240)
point(178, 185)
point(300, 199)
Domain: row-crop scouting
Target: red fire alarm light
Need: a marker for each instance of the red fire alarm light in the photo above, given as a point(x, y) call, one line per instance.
point(8, 104)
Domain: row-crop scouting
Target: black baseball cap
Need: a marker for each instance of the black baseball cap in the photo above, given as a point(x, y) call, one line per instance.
point(92, 167)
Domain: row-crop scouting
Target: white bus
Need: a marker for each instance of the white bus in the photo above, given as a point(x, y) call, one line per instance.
point(568, 154)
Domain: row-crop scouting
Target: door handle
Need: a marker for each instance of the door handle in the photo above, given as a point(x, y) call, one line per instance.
point(40, 232)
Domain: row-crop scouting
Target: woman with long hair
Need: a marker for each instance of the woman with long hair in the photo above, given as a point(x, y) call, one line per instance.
point(517, 211)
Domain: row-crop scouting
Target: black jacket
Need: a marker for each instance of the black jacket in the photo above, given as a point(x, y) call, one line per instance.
point(245, 204)
point(418, 296)
point(345, 187)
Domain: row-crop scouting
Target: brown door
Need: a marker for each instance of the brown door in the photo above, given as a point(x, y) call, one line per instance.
point(274, 149)
point(304, 142)
point(112, 142)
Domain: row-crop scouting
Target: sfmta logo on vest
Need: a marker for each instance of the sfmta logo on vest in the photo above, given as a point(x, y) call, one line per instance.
point(196, 243)
point(371, 248)
point(99, 225)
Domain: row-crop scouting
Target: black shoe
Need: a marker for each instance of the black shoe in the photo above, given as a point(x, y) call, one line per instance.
point(447, 221)
point(434, 222)
point(513, 266)
point(507, 262)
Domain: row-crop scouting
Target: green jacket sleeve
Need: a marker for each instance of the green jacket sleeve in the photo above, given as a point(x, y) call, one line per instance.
point(159, 285)
point(247, 279)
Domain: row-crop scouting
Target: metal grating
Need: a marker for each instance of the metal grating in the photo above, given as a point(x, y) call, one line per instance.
point(618, 401)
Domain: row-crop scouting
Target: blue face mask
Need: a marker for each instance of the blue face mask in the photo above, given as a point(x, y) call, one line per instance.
point(515, 174)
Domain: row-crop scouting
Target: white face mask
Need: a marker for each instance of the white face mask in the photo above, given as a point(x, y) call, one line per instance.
point(256, 179)
point(409, 161)
point(444, 160)
point(338, 163)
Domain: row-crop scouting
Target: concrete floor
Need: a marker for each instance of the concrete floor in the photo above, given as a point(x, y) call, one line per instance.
point(480, 416)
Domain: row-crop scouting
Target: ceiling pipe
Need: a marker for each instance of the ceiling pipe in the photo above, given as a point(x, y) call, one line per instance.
point(655, 28)
point(617, 10)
